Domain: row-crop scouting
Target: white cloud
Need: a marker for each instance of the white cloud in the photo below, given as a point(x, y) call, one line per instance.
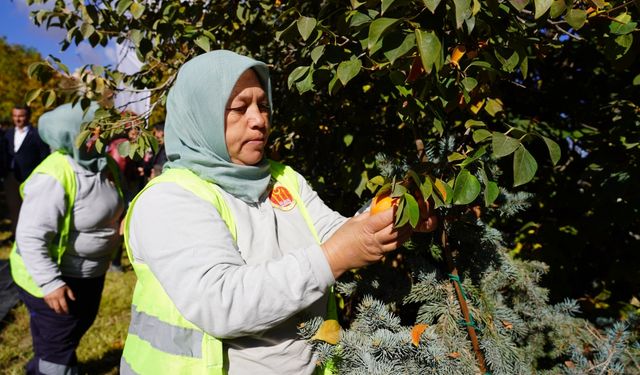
point(90, 55)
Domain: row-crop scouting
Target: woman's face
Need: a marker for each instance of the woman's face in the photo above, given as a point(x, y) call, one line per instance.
point(247, 120)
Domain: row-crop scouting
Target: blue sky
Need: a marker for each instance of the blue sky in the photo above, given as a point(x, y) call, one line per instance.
point(17, 28)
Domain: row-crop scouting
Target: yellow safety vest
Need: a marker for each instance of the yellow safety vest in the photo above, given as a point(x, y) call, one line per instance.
point(160, 339)
point(57, 166)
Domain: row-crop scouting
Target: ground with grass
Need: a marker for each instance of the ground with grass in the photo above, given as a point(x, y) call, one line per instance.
point(101, 347)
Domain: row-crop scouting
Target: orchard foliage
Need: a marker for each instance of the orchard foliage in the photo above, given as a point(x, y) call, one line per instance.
point(15, 81)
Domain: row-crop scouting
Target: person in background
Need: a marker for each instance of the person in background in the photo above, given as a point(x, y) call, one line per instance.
point(154, 163)
point(66, 235)
point(233, 251)
point(22, 151)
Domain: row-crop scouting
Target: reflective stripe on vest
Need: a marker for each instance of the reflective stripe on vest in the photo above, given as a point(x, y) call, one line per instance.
point(57, 166)
point(153, 311)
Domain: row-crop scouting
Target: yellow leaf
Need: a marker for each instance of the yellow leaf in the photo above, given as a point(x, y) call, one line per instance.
point(328, 332)
point(457, 54)
point(477, 106)
point(416, 332)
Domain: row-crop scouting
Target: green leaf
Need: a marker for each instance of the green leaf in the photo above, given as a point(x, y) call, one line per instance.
point(576, 18)
point(87, 30)
point(475, 156)
point(386, 4)
point(480, 64)
point(123, 148)
point(334, 85)
point(306, 25)
point(136, 36)
point(430, 50)
point(122, 6)
point(554, 150)
point(510, 63)
point(469, 83)
point(414, 176)
point(375, 183)
point(437, 201)
point(455, 156)
point(49, 98)
point(624, 41)
point(348, 69)
point(136, 10)
point(32, 95)
point(101, 114)
point(503, 145)
point(412, 208)
point(377, 28)
point(347, 139)
point(636, 80)
point(317, 53)
point(82, 137)
point(491, 192)
point(493, 106)
point(557, 8)
point(431, 4)
point(426, 188)
point(542, 6)
point(306, 84)
point(519, 4)
point(133, 148)
point(524, 66)
point(398, 190)
point(99, 145)
point(463, 11)
point(296, 75)
point(203, 42)
point(402, 216)
point(474, 124)
point(407, 45)
point(524, 166)
point(622, 24)
point(480, 135)
point(287, 33)
point(466, 188)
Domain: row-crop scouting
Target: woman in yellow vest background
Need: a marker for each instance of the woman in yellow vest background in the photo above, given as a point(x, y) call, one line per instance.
point(233, 251)
point(66, 235)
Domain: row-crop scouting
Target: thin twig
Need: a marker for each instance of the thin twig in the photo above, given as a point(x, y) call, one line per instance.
point(576, 37)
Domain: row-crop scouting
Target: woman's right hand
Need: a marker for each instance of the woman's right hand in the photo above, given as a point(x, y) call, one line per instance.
point(362, 240)
point(57, 300)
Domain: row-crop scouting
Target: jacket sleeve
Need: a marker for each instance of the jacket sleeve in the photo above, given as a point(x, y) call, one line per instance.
point(3, 155)
point(42, 210)
point(189, 249)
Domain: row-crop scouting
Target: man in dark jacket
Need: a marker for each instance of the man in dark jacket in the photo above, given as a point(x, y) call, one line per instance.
point(23, 151)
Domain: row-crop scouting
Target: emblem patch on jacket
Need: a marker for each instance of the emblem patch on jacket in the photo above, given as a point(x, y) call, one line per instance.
point(281, 198)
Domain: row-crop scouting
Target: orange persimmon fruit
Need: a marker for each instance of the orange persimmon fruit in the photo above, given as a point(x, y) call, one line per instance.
point(382, 202)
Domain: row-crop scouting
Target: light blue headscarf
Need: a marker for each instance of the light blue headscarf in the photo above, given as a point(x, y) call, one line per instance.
point(59, 129)
point(195, 123)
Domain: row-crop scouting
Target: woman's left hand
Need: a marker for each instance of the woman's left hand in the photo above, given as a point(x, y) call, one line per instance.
point(57, 300)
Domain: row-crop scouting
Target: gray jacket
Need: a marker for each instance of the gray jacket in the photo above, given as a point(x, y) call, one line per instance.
point(93, 236)
point(252, 294)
